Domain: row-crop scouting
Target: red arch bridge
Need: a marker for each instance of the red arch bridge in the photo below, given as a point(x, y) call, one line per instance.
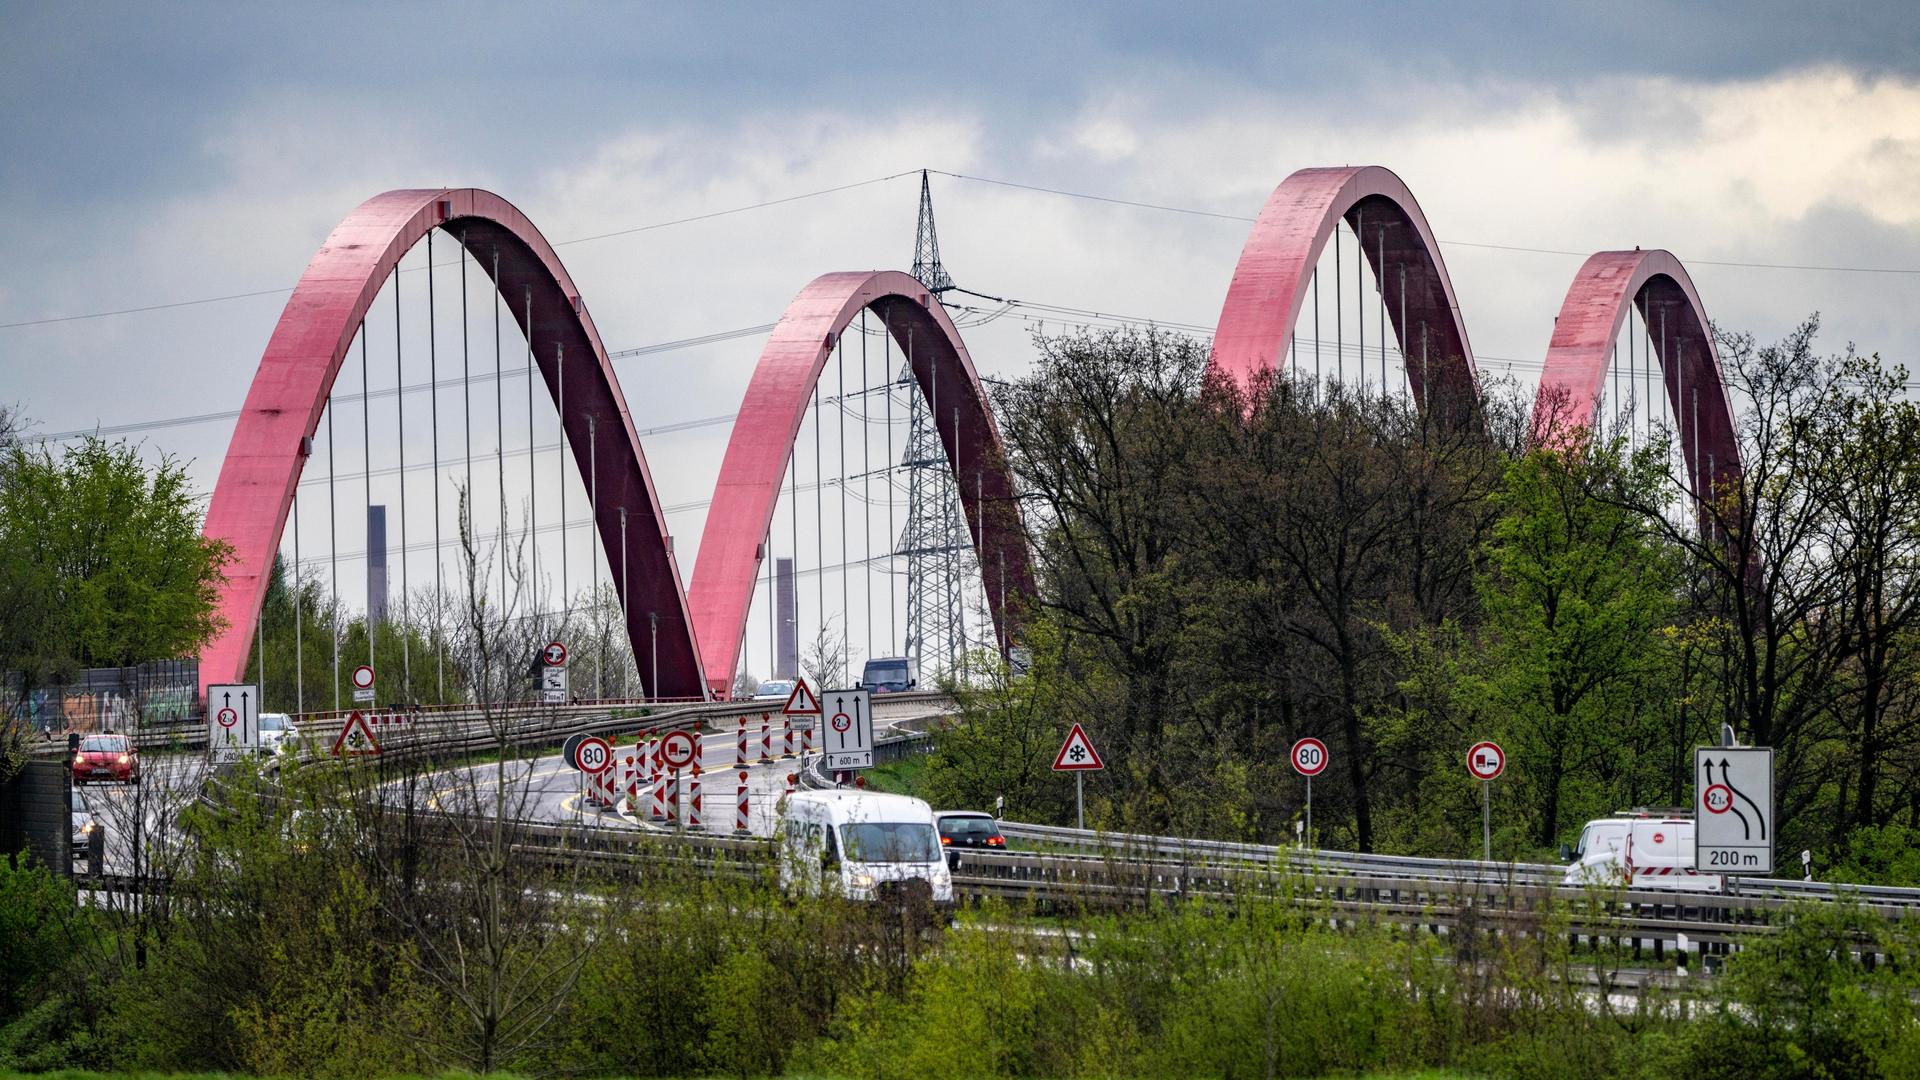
point(1340, 281)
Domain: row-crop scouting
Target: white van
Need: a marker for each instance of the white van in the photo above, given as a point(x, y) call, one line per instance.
point(1639, 851)
point(871, 846)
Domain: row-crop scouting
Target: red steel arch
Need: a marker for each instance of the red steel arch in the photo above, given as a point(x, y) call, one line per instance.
point(1583, 345)
point(1271, 283)
point(769, 422)
point(283, 408)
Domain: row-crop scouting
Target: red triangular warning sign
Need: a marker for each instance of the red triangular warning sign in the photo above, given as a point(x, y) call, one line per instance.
point(1077, 754)
point(803, 701)
point(355, 738)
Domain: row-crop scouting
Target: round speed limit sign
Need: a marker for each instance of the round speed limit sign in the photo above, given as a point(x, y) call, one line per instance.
point(593, 754)
point(1309, 757)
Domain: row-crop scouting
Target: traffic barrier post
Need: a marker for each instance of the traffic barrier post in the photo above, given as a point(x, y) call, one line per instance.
point(766, 739)
point(659, 786)
point(740, 815)
point(787, 736)
point(693, 801)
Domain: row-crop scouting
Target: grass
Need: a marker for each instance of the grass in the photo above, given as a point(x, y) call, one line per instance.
point(908, 776)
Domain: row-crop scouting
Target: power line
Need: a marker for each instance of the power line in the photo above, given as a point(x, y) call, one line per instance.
point(424, 387)
point(997, 182)
point(1084, 196)
point(709, 216)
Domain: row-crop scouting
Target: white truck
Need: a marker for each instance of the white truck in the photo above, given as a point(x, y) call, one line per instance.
point(1639, 850)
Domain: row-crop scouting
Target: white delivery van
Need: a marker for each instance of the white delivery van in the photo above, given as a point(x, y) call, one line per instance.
point(1639, 851)
point(865, 845)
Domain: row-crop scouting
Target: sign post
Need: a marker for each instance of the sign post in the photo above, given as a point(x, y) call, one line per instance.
point(363, 683)
point(553, 674)
point(848, 736)
point(1485, 762)
point(355, 738)
point(593, 755)
point(1309, 759)
point(1733, 810)
point(1078, 757)
point(803, 701)
point(233, 720)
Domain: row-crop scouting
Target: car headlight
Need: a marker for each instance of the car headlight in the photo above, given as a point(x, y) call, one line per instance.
point(87, 829)
point(863, 881)
point(79, 759)
point(125, 758)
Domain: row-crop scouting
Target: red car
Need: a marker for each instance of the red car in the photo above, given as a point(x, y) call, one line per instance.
point(106, 757)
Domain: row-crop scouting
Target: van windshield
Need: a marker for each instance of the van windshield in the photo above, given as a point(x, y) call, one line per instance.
point(890, 842)
point(884, 673)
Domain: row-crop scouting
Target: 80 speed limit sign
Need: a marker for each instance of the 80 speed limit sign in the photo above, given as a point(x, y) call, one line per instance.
point(593, 755)
point(1309, 757)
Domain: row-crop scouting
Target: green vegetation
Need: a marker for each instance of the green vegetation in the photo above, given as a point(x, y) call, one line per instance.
point(904, 777)
point(1222, 574)
point(294, 942)
point(104, 567)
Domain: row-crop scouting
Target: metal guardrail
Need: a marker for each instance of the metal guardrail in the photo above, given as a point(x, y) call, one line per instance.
point(1638, 920)
point(1416, 868)
point(521, 718)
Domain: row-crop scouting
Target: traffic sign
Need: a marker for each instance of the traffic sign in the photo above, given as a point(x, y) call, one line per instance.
point(553, 685)
point(847, 738)
point(677, 749)
point(355, 738)
point(233, 719)
point(363, 683)
point(593, 754)
point(1486, 761)
point(802, 701)
point(571, 748)
point(1733, 810)
point(554, 655)
point(1077, 754)
point(1309, 757)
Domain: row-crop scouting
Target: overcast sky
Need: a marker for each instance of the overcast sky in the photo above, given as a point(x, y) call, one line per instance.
point(152, 154)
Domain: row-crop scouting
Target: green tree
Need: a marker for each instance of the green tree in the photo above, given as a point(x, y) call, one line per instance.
point(1575, 595)
point(113, 552)
point(105, 566)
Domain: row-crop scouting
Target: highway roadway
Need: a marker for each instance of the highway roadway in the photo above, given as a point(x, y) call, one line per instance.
point(545, 789)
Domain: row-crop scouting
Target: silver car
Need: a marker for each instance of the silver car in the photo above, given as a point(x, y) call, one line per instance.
point(774, 690)
point(277, 733)
point(84, 824)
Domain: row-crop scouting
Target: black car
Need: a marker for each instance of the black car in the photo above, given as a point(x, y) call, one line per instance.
point(969, 829)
